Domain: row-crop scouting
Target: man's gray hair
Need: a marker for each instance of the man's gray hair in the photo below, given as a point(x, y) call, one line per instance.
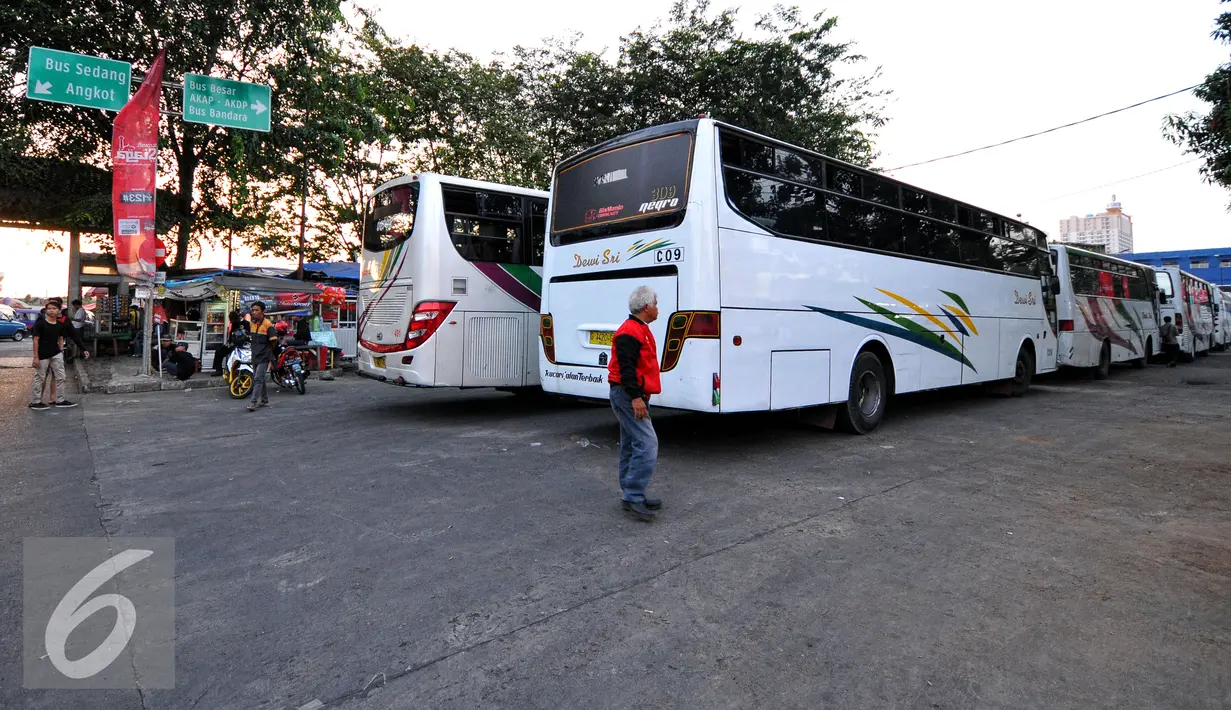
point(641, 297)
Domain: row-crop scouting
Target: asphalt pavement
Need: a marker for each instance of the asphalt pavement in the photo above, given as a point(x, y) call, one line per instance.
point(369, 546)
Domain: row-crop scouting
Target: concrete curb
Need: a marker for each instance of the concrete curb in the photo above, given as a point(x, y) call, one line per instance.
point(163, 385)
point(83, 380)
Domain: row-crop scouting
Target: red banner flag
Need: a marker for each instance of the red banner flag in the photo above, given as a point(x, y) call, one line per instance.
point(134, 166)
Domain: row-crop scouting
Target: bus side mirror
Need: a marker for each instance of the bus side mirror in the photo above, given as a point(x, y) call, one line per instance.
point(1162, 298)
point(1054, 285)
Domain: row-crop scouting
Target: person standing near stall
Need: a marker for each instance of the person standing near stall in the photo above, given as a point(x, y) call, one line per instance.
point(264, 336)
point(48, 335)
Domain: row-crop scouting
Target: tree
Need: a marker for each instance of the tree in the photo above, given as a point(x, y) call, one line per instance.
point(334, 148)
point(1208, 135)
point(788, 80)
point(248, 40)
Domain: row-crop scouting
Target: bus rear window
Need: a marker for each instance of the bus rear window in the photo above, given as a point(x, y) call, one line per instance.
point(391, 217)
point(626, 189)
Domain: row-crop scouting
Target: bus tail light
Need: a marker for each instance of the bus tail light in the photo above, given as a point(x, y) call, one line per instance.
point(683, 325)
point(1179, 323)
point(1066, 326)
point(547, 334)
point(425, 320)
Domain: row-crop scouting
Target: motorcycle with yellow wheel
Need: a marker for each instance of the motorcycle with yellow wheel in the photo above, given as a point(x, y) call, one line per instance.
point(238, 372)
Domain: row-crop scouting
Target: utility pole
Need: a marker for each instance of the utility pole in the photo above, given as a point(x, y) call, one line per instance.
point(303, 215)
point(303, 198)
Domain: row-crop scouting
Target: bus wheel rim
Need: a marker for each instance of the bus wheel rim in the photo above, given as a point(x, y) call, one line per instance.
point(869, 394)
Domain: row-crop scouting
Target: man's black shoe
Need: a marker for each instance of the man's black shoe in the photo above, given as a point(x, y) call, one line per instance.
point(651, 503)
point(40, 406)
point(638, 510)
point(66, 404)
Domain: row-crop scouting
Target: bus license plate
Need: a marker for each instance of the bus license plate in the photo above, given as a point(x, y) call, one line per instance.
point(378, 362)
point(601, 337)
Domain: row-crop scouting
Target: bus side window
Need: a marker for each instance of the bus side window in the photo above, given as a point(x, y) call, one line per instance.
point(484, 225)
point(538, 230)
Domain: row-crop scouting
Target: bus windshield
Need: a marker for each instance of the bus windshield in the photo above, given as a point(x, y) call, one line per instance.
point(626, 189)
point(391, 217)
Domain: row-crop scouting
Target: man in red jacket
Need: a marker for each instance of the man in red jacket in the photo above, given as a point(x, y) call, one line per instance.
point(633, 375)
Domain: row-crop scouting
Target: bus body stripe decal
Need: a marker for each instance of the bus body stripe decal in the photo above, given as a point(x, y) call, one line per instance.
point(928, 340)
point(965, 318)
point(508, 283)
point(957, 323)
point(957, 299)
point(526, 275)
point(920, 311)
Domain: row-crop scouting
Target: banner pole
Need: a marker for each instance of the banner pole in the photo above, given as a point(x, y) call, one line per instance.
point(149, 329)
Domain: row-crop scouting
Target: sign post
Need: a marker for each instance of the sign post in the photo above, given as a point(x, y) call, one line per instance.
point(77, 79)
point(223, 102)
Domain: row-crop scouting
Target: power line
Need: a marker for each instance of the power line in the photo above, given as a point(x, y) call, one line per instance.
point(1049, 130)
point(1117, 182)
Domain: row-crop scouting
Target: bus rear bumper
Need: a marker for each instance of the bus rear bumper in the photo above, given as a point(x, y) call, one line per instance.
point(393, 371)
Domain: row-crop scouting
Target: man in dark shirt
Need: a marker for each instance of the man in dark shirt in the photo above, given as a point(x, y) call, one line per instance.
point(264, 335)
point(49, 333)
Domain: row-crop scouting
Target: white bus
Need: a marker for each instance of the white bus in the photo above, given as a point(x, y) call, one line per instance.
point(1186, 299)
point(1224, 317)
point(1222, 327)
point(786, 279)
point(1107, 309)
point(450, 283)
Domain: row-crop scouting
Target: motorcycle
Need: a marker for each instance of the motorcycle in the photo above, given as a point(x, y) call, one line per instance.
point(238, 372)
point(288, 370)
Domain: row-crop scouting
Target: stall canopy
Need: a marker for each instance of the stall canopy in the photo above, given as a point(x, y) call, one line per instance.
point(216, 285)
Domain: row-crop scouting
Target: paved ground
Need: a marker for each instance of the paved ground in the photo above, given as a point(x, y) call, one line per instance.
point(461, 550)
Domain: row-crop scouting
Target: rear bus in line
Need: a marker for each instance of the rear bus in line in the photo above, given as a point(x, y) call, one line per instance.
point(1222, 327)
point(1107, 308)
point(450, 283)
point(785, 279)
point(1186, 299)
point(1224, 316)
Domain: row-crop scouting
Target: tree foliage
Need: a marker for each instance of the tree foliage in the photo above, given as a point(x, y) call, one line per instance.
point(353, 107)
point(1208, 135)
point(247, 40)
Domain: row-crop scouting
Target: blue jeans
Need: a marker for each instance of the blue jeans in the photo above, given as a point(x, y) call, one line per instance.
point(638, 447)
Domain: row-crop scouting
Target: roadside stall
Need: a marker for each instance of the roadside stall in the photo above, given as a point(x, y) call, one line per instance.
point(199, 319)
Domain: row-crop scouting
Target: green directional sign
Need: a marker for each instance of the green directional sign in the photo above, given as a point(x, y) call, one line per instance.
point(77, 79)
point(222, 102)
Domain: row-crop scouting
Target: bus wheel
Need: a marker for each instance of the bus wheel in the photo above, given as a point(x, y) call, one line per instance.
point(1104, 362)
point(1023, 370)
point(869, 392)
point(1140, 362)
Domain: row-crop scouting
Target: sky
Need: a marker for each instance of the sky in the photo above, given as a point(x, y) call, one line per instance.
point(962, 75)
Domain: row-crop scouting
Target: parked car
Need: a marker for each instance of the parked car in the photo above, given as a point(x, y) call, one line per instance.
point(12, 328)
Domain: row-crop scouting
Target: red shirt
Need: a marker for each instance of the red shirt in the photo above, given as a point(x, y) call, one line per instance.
point(634, 359)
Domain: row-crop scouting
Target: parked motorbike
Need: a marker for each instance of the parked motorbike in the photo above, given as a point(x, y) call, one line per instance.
point(289, 370)
point(238, 372)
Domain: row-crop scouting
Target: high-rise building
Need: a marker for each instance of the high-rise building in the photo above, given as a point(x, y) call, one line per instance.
point(1110, 232)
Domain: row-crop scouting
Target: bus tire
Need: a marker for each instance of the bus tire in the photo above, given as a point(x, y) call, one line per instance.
point(1023, 371)
point(1103, 369)
point(1140, 362)
point(868, 394)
